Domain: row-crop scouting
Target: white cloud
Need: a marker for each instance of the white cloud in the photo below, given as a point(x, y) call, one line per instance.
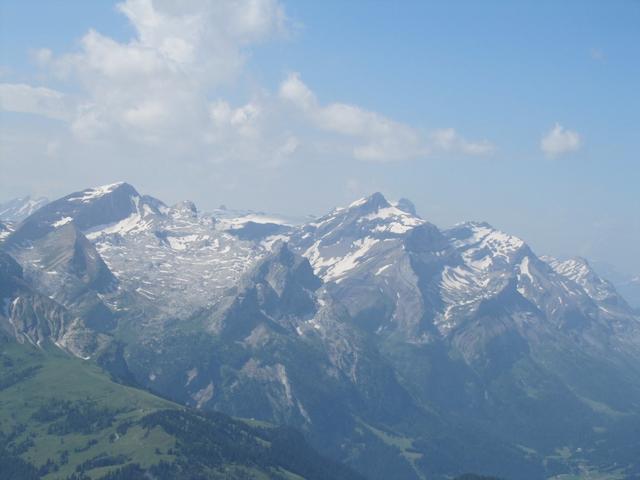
point(155, 88)
point(447, 139)
point(559, 141)
point(295, 91)
point(42, 57)
point(18, 97)
point(158, 91)
point(377, 138)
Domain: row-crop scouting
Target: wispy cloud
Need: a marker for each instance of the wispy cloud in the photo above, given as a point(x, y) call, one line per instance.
point(559, 141)
point(18, 97)
point(447, 139)
point(374, 136)
point(597, 54)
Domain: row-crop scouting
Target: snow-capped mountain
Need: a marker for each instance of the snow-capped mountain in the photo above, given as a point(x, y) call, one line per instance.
point(365, 323)
point(374, 256)
point(601, 291)
point(380, 260)
point(348, 238)
point(494, 260)
point(18, 209)
point(489, 259)
point(364, 254)
point(87, 209)
point(174, 256)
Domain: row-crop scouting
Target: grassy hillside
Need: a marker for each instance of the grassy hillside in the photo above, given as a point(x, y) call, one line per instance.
point(63, 418)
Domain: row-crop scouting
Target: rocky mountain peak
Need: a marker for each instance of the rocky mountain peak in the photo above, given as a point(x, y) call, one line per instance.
point(373, 202)
point(184, 210)
point(89, 194)
point(407, 205)
point(186, 207)
point(480, 239)
point(87, 209)
point(577, 269)
point(283, 267)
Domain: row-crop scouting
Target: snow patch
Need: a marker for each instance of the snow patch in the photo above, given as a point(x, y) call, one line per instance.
point(342, 266)
point(93, 193)
point(181, 243)
point(133, 222)
point(61, 222)
point(191, 375)
point(382, 269)
point(203, 396)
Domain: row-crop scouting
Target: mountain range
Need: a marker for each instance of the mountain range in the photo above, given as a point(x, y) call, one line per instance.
point(18, 209)
point(397, 348)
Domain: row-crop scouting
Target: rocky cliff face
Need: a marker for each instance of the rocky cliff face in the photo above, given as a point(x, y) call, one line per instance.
point(29, 316)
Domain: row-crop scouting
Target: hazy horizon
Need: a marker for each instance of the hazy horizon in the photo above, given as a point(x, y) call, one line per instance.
point(294, 108)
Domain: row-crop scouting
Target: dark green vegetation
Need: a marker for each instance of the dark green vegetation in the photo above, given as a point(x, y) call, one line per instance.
point(62, 418)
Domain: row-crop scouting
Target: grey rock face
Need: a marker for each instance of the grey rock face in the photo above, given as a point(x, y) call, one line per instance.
point(65, 266)
point(407, 205)
point(29, 316)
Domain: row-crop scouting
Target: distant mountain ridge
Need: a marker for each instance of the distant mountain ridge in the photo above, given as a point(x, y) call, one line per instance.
point(395, 345)
point(18, 209)
point(628, 284)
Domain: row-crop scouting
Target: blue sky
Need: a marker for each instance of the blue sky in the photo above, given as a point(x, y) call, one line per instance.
point(310, 104)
